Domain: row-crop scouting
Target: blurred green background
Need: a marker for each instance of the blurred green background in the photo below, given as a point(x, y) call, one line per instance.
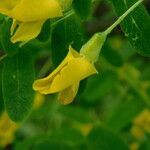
point(111, 111)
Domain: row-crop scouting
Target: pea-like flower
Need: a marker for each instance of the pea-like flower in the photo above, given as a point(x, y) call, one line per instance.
point(66, 77)
point(76, 66)
point(29, 16)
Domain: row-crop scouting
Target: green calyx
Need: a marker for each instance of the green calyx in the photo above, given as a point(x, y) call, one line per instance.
point(92, 48)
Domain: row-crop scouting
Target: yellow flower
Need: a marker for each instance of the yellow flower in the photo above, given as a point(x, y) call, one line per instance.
point(134, 146)
point(137, 132)
point(143, 120)
point(7, 130)
point(29, 16)
point(66, 77)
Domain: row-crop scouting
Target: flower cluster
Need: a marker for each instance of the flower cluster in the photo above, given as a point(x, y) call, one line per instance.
point(141, 124)
point(27, 17)
point(141, 127)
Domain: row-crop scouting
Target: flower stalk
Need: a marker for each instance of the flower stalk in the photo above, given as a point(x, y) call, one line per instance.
point(92, 48)
point(121, 18)
point(3, 57)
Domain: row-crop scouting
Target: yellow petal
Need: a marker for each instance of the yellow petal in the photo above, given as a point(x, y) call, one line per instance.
point(26, 31)
point(67, 95)
point(41, 84)
point(7, 5)
point(71, 71)
point(35, 10)
point(76, 70)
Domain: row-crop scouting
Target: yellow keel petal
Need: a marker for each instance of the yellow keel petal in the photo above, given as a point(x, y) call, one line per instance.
point(67, 95)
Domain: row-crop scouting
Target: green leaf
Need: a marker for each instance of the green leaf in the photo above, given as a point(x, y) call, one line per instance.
point(18, 77)
point(101, 138)
point(65, 33)
point(1, 106)
point(1, 95)
point(124, 114)
point(7, 45)
point(82, 8)
point(135, 26)
point(1, 17)
point(45, 33)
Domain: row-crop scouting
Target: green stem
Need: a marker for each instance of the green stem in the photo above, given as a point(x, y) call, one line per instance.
point(70, 13)
point(121, 18)
point(3, 57)
point(45, 68)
